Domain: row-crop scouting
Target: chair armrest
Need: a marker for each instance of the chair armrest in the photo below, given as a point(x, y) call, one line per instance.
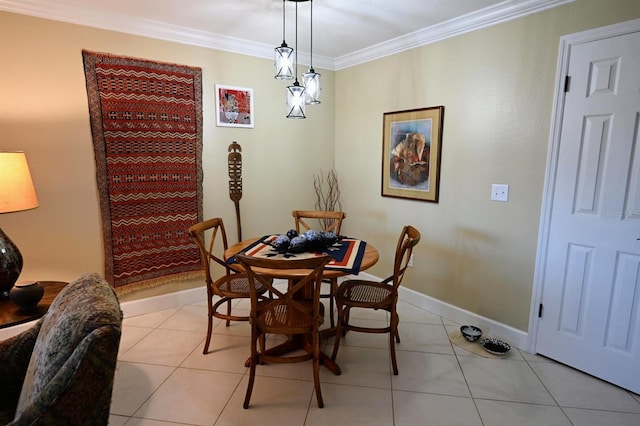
point(80, 391)
point(15, 354)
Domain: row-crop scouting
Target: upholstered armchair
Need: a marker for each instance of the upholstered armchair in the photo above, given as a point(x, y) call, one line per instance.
point(61, 370)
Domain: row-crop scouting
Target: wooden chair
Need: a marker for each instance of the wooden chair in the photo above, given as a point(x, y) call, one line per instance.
point(376, 295)
point(331, 221)
point(232, 285)
point(296, 312)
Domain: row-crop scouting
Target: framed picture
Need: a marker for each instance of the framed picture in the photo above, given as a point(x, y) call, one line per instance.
point(234, 106)
point(411, 144)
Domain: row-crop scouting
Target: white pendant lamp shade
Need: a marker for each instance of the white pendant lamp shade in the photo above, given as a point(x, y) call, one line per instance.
point(283, 62)
point(311, 82)
point(283, 59)
point(287, 68)
point(296, 101)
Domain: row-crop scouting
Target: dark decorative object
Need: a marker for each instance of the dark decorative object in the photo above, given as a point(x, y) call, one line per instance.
point(495, 346)
point(10, 264)
point(470, 333)
point(311, 240)
point(26, 294)
point(234, 164)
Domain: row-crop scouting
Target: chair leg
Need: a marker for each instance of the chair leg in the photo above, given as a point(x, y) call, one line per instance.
point(345, 321)
point(228, 311)
point(392, 349)
point(252, 368)
point(210, 319)
point(336, 342)
point(209, 330)
point(332, 293)
point(393, 337)
point(316, 367)
point(397, 333)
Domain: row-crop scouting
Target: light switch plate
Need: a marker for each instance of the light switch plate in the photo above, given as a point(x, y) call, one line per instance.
point(499, 192)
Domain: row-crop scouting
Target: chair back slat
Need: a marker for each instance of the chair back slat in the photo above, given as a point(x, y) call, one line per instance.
point(265, 270)
point(331, 221)
point(409, 238)
point(207, 235)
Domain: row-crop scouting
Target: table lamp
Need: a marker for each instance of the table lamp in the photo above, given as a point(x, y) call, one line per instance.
point(16, 194)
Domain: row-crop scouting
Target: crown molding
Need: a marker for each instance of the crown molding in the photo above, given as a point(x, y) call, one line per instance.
point(493, 15)
point(502, 12)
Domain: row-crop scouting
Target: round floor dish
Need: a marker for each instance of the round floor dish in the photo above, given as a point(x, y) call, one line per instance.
point(495, 346)
point(470, 332)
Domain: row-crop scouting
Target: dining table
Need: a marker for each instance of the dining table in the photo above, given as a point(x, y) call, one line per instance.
point(350, 257)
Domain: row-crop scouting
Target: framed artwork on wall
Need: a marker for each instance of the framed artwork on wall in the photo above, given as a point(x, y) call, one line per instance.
point(234, 106)
point(411, 144)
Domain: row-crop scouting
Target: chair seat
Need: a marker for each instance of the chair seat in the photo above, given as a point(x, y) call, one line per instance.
point(236, 285)
point(279, 315)
point(365, 294)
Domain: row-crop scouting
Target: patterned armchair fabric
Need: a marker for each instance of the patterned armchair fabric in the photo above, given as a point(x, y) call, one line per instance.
point(60, 371)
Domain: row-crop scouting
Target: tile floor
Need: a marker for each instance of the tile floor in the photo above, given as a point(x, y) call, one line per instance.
point(164, 379)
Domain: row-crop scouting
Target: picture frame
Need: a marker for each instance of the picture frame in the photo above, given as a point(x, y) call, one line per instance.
point(234, 106)
point(411, 153)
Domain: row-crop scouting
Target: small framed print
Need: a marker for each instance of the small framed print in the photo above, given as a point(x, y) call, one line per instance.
point(411, 143)
point(234, 106)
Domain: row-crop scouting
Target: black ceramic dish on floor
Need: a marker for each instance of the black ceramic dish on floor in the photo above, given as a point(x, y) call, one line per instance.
point(495, 346)
point(470, 332)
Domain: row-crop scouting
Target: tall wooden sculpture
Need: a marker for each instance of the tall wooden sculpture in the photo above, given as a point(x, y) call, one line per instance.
point(235, 180)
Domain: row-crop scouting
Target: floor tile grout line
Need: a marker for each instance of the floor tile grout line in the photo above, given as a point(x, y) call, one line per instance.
point(464, 376)
point(235, 389)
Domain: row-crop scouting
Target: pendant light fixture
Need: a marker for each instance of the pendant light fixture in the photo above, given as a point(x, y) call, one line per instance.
point(311, 79)
point(282, 55)
point(296, 94)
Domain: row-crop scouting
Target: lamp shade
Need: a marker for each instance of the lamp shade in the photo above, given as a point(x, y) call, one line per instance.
point(295, 101)
point(283, 62)
point(16, 187)
point(311, 82)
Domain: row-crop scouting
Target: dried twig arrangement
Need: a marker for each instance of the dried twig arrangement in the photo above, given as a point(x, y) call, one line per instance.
point(327, 199)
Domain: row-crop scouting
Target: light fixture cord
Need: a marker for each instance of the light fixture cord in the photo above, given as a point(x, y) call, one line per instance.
point(283, 21)
point(311, 42)
point(296, 41)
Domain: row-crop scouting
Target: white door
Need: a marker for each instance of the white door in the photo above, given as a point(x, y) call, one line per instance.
point(590, 314)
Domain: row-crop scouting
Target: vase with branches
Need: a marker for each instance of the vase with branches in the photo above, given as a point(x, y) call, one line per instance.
point(327, 192)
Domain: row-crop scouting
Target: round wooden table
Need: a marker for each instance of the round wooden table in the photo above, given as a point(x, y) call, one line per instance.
point(369, 259)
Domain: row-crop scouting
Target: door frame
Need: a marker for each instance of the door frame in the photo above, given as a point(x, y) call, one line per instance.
point(564, 54)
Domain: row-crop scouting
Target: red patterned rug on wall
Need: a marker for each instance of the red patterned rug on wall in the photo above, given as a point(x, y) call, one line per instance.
point(146, 123)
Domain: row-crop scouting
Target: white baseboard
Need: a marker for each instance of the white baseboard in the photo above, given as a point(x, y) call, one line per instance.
point(163, 301)
point(517, 338)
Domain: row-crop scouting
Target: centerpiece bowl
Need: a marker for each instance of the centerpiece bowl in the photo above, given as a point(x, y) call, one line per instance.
point(292, 242)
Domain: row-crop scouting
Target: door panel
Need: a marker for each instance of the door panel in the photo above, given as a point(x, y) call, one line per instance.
point(591, 284)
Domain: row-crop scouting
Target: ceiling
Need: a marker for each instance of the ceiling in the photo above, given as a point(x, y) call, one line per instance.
point(345, 32)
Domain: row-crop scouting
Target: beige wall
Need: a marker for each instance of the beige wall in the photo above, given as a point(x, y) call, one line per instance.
point(43, 111)
point(497, 87)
